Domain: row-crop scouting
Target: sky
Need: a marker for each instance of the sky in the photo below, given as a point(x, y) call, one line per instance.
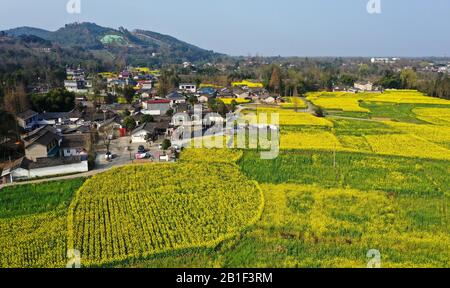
point(408, 28)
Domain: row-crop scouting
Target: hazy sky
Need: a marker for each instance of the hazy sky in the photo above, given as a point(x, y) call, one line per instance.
point(264, 27)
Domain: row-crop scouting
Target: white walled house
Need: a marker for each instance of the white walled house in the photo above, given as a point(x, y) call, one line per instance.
point(139, 134)
point(364, 86)
point(24, 169)
point(188, 87)
point(73, 145)
point(156, 107)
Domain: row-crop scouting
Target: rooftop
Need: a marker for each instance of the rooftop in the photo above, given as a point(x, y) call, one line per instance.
point(27, 114)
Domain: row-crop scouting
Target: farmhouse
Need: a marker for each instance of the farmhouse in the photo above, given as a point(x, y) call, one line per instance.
point(41, 143)
point(176, 98)
point(156, 107)
point(73, 145)
point(24, 169)
point(152, 130)
point(188, 87)
point(27, 119)
point(364, 86)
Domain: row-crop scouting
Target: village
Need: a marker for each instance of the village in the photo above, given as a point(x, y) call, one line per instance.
point(99, 133)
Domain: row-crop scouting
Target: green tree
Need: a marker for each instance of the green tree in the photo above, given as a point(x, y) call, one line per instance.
point(57, 100)
point(129, 123)
point(275, 80)
point(128, 93)
point(408, 78)
point(166, 144)
point(147, 118)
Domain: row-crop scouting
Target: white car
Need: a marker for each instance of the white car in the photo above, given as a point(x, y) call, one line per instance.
point(108, 156)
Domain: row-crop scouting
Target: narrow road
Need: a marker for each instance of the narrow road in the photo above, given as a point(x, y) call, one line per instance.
point(310, 106)
point(72, 176)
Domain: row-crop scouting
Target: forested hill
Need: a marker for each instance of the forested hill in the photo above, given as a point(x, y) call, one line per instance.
point(145, 47)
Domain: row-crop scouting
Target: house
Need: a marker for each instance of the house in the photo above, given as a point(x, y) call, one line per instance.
point(27, 119)
point(145, 85)
point(364, 86)
point(188, 88)
point(151, 129)
point(203, 99)
point(76, 86)
point(270, 100)
point(24, 169)
point(41, 143)
point(53, 118)
point(73, 145)
point(156, 107)
point(207, 91)
point(175, 98)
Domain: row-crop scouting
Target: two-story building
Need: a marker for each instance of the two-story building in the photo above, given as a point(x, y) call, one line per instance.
point(192, 88)
point(156, 107)
point(42, 143)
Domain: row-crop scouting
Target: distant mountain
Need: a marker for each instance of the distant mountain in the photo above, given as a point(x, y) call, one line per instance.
point(135, 45)
point(41, 33)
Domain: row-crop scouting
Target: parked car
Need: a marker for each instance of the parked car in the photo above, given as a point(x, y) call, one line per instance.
point(108, 156)
point(141, 149)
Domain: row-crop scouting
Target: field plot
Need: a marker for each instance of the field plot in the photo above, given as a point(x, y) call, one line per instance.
point(211, 155)
point(348, 102)
point(34, 241)
point(432, 133)
point(293, 103)
point(308, 226)
point(391, 104)
point(289, 117)
point(33, 224)
point(159, 209)
point(406, 145)
point(309, 140)
point(438, 116)
point(228, 101)
point(404, 96)
point(330, 216)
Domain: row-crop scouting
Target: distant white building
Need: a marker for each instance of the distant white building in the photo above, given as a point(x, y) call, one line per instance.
point(188, 88)
point(384, 60)
point(364, 86)
point(76, 86)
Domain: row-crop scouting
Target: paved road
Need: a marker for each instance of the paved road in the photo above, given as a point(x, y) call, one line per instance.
point(121, 149)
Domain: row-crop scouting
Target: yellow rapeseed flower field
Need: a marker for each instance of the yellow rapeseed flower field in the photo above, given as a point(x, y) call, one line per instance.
point(34, 241)
point(228, 101)
point(289, 117)
point(438, 116)
point(337, 101)
point(141, 210)
point(211, 155)
point(432, 133)
point(404, 97)
point(406, 145)
point(310, 140)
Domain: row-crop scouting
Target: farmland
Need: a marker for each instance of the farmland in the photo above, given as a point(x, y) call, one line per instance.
point(343, 184)
point(114, 221)
point(34, 218)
